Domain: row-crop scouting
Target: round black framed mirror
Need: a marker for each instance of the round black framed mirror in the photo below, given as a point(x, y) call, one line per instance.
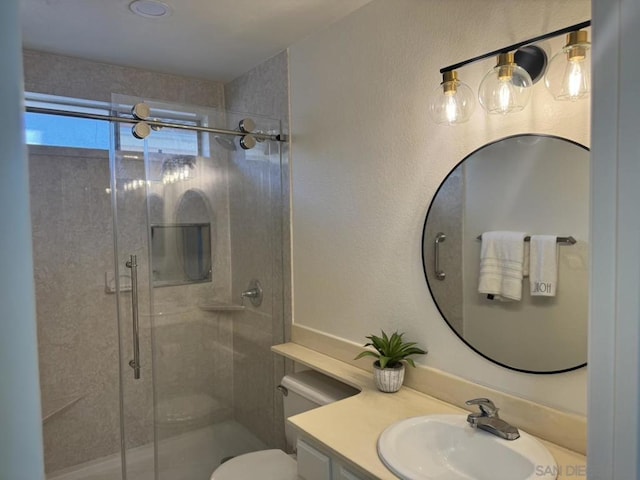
point(538, 184)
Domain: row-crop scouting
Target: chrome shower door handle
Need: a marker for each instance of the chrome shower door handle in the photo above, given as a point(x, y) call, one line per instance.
point(135, 363)
point(440, 237)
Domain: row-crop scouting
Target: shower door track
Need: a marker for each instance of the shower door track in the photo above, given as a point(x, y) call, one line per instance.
point(154, 123)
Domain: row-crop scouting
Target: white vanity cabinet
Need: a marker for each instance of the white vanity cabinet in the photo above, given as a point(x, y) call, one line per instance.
point(340, 472)
point(314, 463)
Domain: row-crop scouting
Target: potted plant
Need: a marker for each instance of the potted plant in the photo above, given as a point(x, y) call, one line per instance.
point(391, 354)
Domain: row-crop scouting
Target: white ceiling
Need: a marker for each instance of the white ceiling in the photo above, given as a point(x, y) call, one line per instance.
point(214, 39)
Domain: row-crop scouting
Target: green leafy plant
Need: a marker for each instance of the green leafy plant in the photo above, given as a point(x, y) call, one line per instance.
point(391, 351)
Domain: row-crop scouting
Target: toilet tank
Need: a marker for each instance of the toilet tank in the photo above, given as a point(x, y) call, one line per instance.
point(307, 390)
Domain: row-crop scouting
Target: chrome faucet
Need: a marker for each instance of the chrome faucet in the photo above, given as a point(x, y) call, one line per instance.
point(488, 420)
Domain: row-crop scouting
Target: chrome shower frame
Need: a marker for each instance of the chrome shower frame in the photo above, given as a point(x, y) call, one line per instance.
point(248, 139)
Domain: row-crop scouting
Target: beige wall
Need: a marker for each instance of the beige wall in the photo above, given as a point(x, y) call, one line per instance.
point(367, 161)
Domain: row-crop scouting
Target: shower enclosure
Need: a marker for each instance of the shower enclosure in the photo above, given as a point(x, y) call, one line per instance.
point(153, 363)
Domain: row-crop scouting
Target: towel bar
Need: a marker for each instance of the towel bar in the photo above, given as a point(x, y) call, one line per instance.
point(566, 240)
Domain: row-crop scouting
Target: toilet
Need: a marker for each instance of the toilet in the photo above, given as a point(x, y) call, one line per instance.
point(303, 391)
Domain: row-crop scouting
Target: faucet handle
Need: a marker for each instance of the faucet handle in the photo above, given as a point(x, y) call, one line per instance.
point(486, 406)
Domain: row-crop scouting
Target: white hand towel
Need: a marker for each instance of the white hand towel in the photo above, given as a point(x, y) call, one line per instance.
point(525, 262)
point(543, 265)
point(501, 265)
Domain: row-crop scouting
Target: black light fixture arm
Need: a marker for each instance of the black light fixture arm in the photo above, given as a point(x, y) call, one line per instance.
point(516, 46)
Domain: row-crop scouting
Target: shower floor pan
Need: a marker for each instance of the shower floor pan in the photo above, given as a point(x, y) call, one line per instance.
point(189, 456)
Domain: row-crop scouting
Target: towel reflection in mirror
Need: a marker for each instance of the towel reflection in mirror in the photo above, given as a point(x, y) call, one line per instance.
point(525, 183)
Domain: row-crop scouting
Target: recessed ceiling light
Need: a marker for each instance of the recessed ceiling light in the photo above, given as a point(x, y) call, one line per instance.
point(150, 8)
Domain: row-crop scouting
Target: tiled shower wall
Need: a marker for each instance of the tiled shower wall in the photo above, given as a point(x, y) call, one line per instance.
point(73, 248)
point(196, 351)
point(261, 221)
point(76, 78)
point(77, 331)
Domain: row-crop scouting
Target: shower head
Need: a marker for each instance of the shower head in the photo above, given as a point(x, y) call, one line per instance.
point(226, 143)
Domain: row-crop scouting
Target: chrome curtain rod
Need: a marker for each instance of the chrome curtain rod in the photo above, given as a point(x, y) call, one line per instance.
point(566, 240)
point(515, 46)
point(154, 123)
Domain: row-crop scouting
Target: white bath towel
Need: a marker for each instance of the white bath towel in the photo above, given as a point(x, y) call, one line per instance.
point(543, 265)
point(501, 265)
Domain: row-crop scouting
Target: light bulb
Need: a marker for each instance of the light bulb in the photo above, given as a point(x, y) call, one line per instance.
point(568, 76)
point(506, 88)
point(504, 96)
point(452, 102)
point(576, 78)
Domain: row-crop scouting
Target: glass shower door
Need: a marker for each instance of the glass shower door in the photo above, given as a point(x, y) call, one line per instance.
point(132, 286)
point(184, 204)
point(77, 329)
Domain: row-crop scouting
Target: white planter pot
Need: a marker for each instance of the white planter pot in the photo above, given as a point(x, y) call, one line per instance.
point(388, 380)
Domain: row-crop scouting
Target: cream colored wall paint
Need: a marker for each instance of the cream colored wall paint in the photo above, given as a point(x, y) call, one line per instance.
point(367, 160)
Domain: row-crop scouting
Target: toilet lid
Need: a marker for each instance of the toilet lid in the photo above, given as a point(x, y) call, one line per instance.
point(265, 465)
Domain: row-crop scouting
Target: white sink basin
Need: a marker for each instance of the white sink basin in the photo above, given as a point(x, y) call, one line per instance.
point(446, 447)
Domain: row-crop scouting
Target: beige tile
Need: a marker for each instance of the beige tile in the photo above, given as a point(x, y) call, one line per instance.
point(78, 78)
point(259, 205)
point(224, 355)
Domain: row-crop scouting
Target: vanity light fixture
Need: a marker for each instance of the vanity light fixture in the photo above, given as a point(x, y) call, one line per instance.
point(569, 74)
point(452, 102)
point(507, 87)
point(177, 168)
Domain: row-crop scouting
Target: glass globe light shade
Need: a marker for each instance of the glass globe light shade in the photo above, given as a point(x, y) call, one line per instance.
point(452, 102)
point(506, 88)
point(568, 76)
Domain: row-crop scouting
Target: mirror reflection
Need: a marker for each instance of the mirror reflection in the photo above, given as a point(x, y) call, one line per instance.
point(534, 184)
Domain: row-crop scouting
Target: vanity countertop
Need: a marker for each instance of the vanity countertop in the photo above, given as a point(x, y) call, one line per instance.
point(349, 429)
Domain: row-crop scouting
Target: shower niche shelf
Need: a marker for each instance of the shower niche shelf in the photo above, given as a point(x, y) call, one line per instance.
point(221, 307)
